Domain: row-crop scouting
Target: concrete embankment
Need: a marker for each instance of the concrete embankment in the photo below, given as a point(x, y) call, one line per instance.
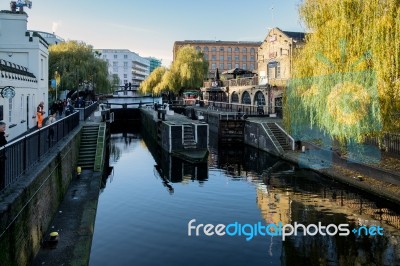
point(27, 207)
point(369, 178)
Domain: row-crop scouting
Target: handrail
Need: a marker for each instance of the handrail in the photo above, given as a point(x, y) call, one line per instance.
point(287, 135)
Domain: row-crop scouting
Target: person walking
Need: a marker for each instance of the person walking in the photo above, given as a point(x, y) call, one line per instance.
point(39, 114)
point(3, 141)
point(3, 135)
point(51, 120)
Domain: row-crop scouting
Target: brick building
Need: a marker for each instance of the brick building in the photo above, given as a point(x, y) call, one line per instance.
point(224, 55)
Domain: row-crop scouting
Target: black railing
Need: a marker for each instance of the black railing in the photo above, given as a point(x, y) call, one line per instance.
point(20, 155)
point(84, 113)
point(248, 109)
point(389, 142)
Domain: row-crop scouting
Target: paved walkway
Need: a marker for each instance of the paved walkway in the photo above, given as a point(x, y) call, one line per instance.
point(74, 223)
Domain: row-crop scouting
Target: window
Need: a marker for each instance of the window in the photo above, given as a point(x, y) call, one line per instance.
point(278, 70)
point(206, 56)
point(104, 56)
point(221, 58)
point(205, 49)
point(236, 58)
point(213, 66)
point(115, 64)
point(244, 66)
point(251, 67)
point(236, 65)
point(236, 49)
point(244, 58)
point(198, 48)
point(214, 57)
point(229, 58)
point(221, 66)
point(125, 56)
point(115, 56)
point(221, 49)
point(125, 81)
point(252, 58)
point(213, 49)
point(229, 66)
point(244, 50)
point(229, 49)
point(125, 64)
point(252, 50)
point(125, 76)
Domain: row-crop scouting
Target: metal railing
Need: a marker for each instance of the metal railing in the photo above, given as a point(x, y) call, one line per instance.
point(248, 109)
point(389, 142)
point(20, 155)
point(84, 113)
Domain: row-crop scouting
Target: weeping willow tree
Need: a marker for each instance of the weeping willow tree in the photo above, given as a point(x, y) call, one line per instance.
point(152, 84)
point(187, 71)
point(74, 62)
point(346, 79)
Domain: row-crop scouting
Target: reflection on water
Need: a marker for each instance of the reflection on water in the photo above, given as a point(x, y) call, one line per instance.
point(138, 223)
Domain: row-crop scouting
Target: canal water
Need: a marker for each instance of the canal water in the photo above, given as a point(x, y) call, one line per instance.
point(149, 198)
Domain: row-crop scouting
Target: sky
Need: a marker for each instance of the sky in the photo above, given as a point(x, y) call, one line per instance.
point(150, 27)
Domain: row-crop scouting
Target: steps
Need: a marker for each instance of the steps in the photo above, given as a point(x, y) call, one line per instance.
point(188, 137)
point(280, 136)
point(88, 146)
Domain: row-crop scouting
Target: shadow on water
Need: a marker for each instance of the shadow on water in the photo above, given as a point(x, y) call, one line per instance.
point(171, 169)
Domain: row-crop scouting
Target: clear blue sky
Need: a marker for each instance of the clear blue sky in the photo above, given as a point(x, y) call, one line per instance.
point(150, 27)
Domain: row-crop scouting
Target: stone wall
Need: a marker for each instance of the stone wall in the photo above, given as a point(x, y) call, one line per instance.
point(27, 207)
point(255, 135)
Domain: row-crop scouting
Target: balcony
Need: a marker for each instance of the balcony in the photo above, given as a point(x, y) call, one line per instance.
point(250, 81)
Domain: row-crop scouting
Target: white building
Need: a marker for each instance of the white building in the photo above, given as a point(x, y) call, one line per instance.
point(50, 38)
point(129, 66)
point(23, 73)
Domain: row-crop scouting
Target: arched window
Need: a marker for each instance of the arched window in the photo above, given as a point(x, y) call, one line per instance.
point(259, 98)
point(198, 48)
point(235, 97)
point(246, 98)
point(205, 49)
point(237, 49)
point(229, 49)
point(244, 50)
point(252, 50)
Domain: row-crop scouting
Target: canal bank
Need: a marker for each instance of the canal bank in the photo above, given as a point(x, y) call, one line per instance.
point(369, 177)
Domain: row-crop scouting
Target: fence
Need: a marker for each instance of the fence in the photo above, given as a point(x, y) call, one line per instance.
point(84, 113)
point(20, 155)
point(235, 107)
point(389, 142)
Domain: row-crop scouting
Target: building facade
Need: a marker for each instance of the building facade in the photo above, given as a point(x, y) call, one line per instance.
point(24, 73)
point(224, 55)
point(275, 56)
point(154, 63)
point(128, 66)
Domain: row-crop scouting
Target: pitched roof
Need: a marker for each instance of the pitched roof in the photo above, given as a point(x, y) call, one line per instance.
point(295, 35)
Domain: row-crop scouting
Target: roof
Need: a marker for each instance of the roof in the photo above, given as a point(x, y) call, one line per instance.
point(237, 71)
point(218, 42)
point(10, 67)
point(295, 35)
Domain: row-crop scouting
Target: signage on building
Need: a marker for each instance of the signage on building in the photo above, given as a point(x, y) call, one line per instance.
point(272, 38)
point(8, 92)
